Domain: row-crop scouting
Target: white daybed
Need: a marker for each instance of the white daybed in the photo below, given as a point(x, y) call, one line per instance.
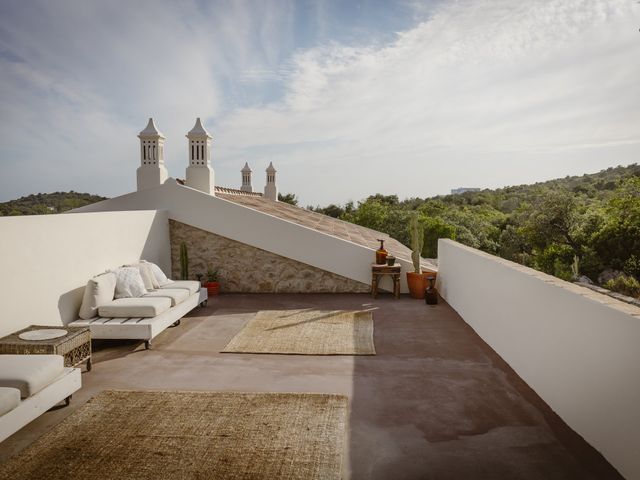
point(30, 385)
point(144, 314)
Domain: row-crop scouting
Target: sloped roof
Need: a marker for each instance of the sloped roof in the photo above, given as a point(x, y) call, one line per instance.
point(323, 223)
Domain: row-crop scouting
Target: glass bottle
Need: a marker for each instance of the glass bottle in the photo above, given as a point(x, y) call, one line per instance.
point(381, 254)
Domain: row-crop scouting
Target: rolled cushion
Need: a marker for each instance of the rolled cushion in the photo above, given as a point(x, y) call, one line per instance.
point(129, 283)
point(9, 399)
point(99, 290)
point(176, 295)
point(161, 278)
point(191, 285)
point(29, 373)
point(135, 307)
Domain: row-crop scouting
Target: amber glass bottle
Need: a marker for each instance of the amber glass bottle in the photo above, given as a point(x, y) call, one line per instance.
point(381, 254)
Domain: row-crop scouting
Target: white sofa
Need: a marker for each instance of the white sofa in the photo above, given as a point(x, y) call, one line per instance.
point(30, 385)
point(144, 309)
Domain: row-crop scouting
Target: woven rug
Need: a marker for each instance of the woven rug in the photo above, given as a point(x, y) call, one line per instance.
point(306, 332)
point(191, 435)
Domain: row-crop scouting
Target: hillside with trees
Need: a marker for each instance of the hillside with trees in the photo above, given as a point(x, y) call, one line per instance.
point(576, 226)
point(46, 203)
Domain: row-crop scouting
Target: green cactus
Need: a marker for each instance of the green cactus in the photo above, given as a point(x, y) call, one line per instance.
point(184, 262)
point(416, 230)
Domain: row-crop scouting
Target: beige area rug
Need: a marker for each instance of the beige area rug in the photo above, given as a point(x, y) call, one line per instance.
point(191, 435)
point(306, 332)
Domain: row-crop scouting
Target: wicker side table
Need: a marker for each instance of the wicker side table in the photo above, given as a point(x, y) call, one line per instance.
point(75, 346)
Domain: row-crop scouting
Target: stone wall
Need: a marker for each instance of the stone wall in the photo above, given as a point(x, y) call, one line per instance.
point(244, 268)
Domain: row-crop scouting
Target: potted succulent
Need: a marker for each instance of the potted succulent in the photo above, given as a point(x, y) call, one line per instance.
point(416, 280)
point(212, 284)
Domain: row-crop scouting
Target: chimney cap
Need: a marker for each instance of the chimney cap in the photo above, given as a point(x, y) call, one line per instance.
point(246, 168)
point(199, 130)
point(270, 168)
point(150, 130)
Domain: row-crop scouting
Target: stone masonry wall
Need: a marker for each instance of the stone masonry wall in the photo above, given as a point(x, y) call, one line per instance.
point(246, 269)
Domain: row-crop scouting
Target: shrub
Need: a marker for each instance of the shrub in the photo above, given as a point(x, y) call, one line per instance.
point(625, 285)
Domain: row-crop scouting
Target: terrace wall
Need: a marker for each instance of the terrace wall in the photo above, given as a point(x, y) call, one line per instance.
point(46, 260)
point(579, 350)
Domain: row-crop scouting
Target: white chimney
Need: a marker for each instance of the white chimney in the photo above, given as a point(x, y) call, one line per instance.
point(199, 172)
point(270, 189)
point(246, 179)
point(151, 172)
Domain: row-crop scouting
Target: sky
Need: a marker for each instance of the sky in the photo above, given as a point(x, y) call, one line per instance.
point(346, 98)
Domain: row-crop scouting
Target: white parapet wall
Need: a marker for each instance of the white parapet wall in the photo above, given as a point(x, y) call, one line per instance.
point(254, 228)
point(46, 260)
point(579, 350)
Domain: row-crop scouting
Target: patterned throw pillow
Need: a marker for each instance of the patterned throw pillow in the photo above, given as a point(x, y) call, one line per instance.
point(161, 278)
point(129, 282)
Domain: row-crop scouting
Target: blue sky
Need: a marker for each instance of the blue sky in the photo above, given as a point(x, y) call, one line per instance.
point(346, 98)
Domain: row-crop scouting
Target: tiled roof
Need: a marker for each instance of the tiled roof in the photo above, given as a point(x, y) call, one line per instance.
point(318, 221)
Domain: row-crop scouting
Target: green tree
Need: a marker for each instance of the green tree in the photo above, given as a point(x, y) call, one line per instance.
point(289, 198)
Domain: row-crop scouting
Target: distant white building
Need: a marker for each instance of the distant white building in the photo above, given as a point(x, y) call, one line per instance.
point(458, 191)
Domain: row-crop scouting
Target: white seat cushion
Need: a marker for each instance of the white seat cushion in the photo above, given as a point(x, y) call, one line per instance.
point(29, 373)
point(176, 295)
point(192, 285)
point(135, 307)
point(99, 290)
point(9, 399)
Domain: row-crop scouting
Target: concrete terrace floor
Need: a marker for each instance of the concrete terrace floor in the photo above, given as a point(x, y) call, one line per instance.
point(434, 403)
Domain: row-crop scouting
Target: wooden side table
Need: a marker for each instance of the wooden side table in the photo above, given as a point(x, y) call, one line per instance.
point(75, 346)
point(379, 271)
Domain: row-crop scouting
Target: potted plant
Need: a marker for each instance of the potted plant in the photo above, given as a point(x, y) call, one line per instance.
point(415, 279)
point(213, 285)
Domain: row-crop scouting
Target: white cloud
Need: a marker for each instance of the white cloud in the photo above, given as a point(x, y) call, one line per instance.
point(535, 82)
point(478, 93)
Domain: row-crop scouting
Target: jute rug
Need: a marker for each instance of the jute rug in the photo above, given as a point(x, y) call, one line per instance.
point(306, 332)
point(191, 435)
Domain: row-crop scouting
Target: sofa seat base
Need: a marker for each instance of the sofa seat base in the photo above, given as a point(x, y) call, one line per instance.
point(30, 408)
point(137, 328)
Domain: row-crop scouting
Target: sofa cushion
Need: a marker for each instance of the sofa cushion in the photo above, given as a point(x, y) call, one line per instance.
point(29, 373)
point(191, 285)
point(99, 290)
point(135, 307)
point(148, 278)
point(161, 278)
point(9, 399)
point(176, 295)
point(129, 283)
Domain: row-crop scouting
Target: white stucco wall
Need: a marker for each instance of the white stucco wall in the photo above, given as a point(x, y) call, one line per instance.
point(46, 260)
point(579, 350)
point(243, 224)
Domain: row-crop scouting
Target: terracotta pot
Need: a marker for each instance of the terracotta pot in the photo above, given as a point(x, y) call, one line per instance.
point(417, 283)
point(213, 288)
point(429, 273)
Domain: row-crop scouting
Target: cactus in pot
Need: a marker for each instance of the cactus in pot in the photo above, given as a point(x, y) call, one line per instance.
point(415, 280)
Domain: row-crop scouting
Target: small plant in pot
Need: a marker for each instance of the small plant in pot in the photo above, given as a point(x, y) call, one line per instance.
point(213, 285)
point(415, 279)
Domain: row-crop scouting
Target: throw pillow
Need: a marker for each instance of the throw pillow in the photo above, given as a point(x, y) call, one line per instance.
point(129, 283)
point(161, 278)
point(148, 278)
point(99, 291)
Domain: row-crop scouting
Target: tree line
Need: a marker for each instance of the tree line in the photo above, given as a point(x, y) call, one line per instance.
point(572, 227)
point(47, 203)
